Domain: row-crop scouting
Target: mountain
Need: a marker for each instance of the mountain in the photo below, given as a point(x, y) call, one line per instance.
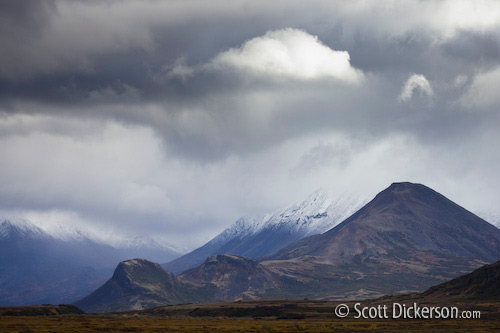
point(37, 268)
point(257, 237)
point(408, 237)
point(232, 277)
point(137, 284)
point(480, 285)
point(60, 265)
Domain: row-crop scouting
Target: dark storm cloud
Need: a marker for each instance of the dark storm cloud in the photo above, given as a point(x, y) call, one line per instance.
point(481, 49)
point(21, 22)
point(25, 18)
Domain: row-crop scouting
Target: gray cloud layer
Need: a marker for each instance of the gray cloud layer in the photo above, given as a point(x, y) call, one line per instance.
point(180, 116)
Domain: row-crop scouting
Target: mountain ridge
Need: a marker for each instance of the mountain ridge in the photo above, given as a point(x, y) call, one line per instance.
point(264, 235)
point(395, 198)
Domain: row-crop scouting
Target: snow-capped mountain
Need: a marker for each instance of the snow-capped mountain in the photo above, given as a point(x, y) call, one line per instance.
point(256, 237)
point(128, 245)
point(38, 268)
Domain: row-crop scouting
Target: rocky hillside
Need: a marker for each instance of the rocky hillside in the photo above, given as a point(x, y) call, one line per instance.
point(137, 284)
point(480, 285)
point(232, 277)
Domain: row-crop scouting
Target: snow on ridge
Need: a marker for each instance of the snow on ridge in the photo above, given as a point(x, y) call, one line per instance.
point(68, 233)
point(122, 241)
point(243, 226)
point(316, 214)
point(22, 226)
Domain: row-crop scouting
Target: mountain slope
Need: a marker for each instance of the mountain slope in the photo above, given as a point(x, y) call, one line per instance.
point(58, 267)
point(233, 277)
point(42, 269)
point(404, 216)
point(138, 284)
point(408, 237)
point(480, 285)
point(257, 237)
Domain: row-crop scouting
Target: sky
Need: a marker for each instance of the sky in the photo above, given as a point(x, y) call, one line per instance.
point(175, 118)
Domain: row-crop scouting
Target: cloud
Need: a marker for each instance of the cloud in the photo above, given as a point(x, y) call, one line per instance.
point(482, 93)
point(460, 80)
point(178, 117)
point(415, 82)
point(288, 53)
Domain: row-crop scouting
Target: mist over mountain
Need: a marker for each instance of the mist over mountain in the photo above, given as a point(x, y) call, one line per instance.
point(256, 237)
point(59, 267)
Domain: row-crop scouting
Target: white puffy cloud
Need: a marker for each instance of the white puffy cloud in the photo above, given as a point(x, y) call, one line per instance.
point(289, 53)
point(415, 82)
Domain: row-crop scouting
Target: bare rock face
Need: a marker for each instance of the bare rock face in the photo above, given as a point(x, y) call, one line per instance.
point(233, 277)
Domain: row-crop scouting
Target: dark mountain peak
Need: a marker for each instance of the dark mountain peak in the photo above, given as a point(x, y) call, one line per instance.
point(404, 185)
point(141, 271)
point(411, 205)
point(136, 284)
point(136, 264)
point(405, 191)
